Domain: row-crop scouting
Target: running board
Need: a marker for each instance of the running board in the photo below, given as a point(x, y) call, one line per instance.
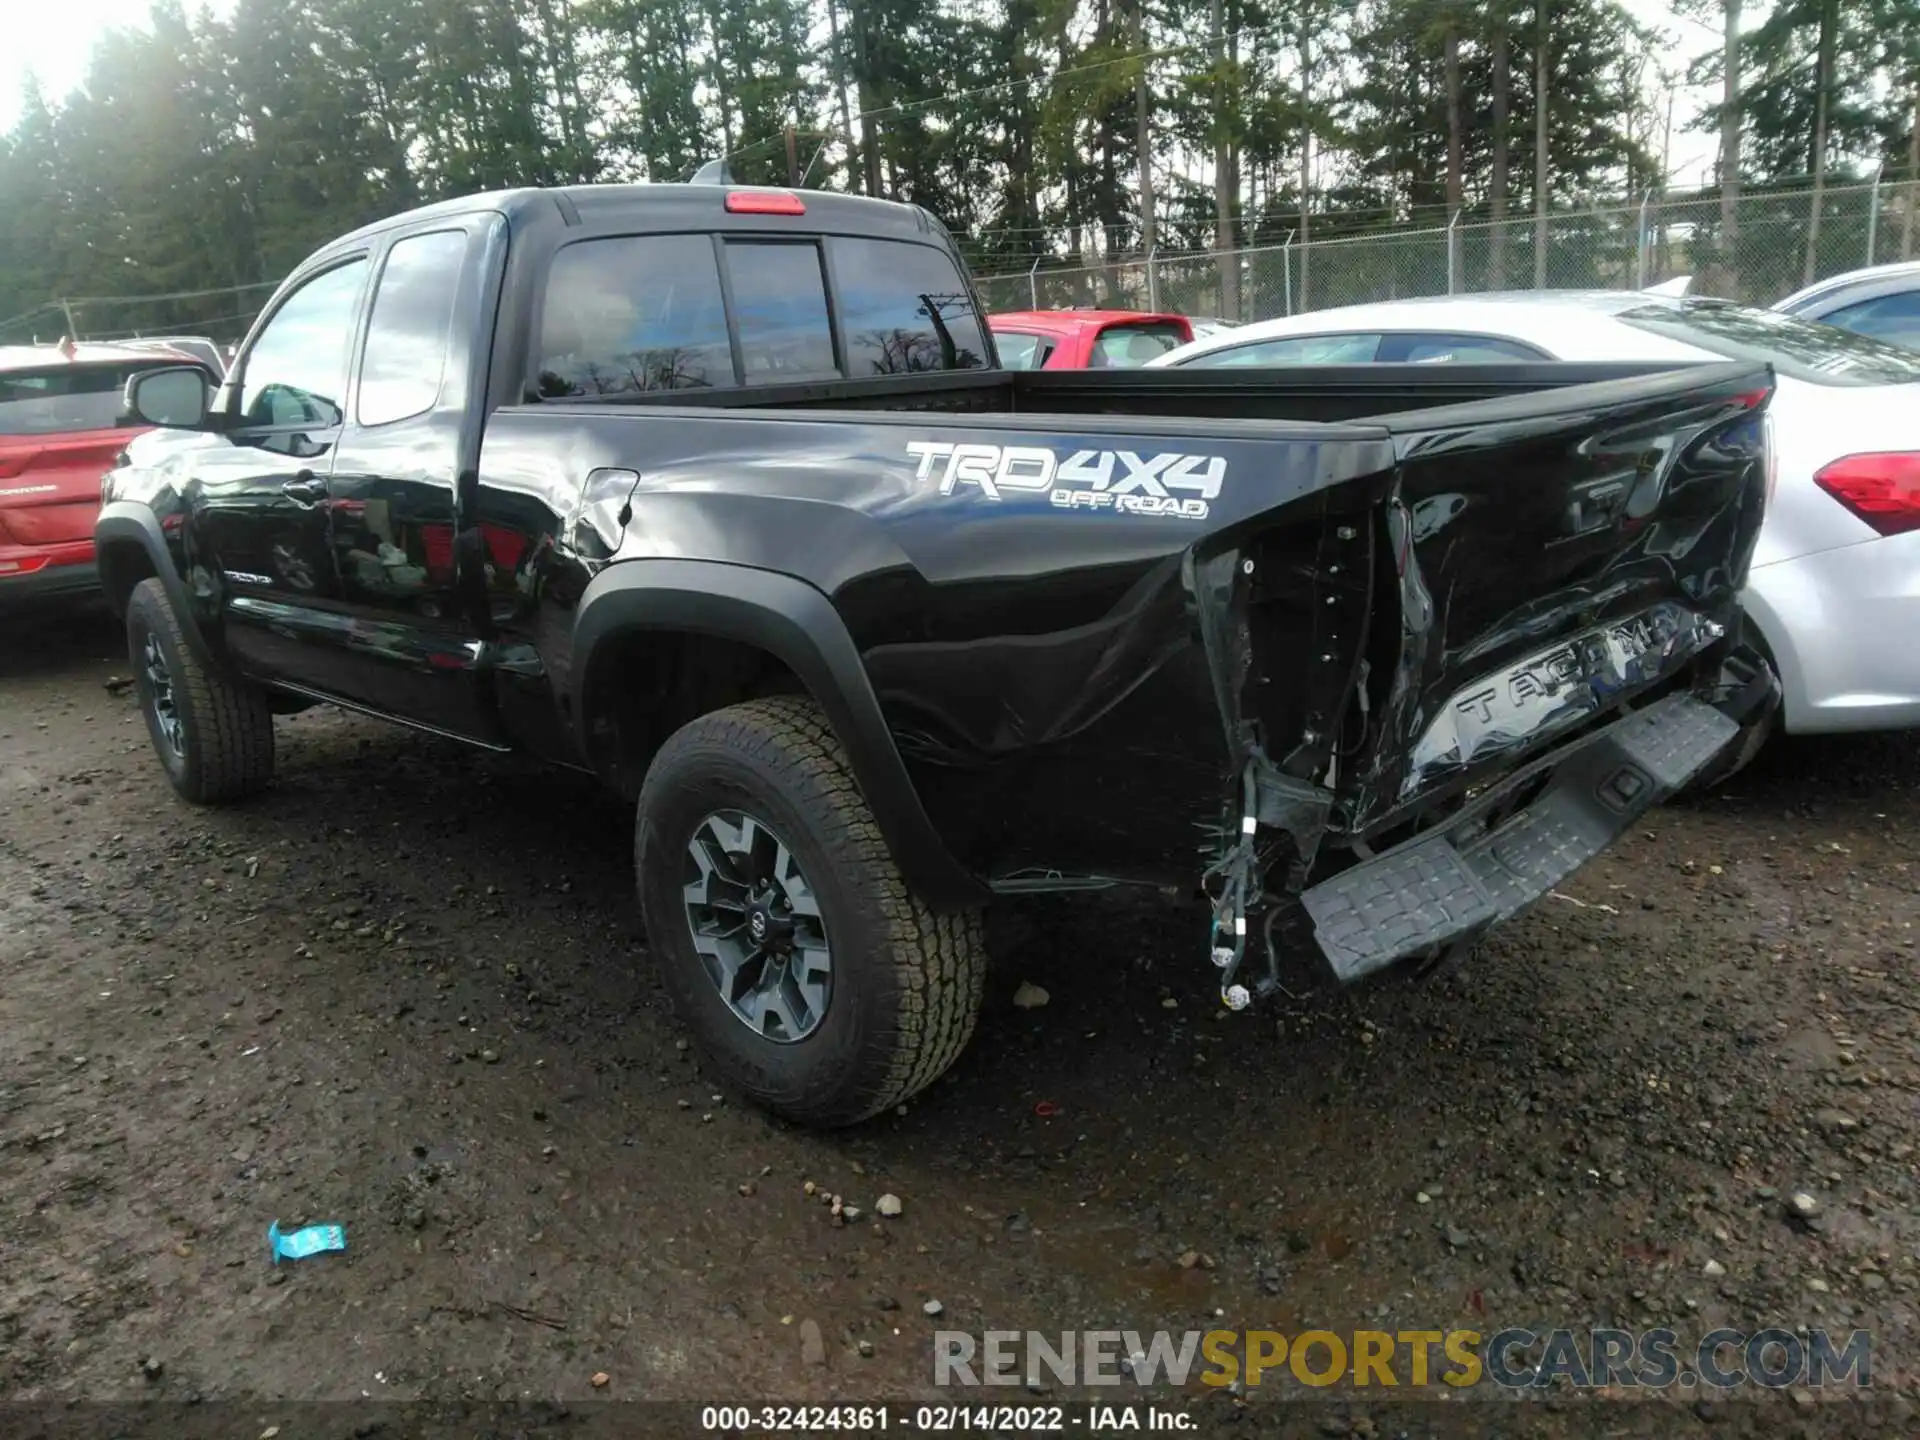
point(1450, 886)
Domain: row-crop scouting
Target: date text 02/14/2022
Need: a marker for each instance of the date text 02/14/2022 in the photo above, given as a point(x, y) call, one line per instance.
point(944, 1419)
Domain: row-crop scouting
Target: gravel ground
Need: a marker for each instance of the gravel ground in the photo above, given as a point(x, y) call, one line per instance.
point(402, 991)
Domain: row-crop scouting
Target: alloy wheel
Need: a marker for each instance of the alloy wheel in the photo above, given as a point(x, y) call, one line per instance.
point(757, 926)
point(160, 697)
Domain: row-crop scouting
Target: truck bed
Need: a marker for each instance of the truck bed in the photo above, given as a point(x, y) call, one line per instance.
point(1407, 582)
point(1322, 393)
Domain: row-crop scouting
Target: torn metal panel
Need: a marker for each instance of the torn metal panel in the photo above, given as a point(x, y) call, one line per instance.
point(1549, 571)
point(1413, 651)
point(1556, 689)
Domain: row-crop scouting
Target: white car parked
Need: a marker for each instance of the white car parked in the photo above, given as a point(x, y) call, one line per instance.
point(1883, 302)
point(1835, 584)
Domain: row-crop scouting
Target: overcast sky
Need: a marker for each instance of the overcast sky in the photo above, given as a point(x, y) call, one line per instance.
point(51, 39)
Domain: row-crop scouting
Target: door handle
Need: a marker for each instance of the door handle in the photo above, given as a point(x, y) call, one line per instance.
point(306, 488)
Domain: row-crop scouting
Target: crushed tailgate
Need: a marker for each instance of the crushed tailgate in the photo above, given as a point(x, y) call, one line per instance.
point(1556, 557)
point(1456, 683)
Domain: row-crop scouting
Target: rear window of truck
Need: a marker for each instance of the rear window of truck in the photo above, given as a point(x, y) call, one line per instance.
point(649, 312)
point(904, 309)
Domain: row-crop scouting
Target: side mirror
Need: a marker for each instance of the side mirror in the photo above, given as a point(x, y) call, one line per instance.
point(176, 397)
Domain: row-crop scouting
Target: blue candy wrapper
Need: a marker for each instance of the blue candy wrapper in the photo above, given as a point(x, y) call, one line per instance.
point(310, 1240)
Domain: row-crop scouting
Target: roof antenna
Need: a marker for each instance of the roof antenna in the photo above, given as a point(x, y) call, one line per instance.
point(714, 172)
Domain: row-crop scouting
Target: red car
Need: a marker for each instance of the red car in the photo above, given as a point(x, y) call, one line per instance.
point(60, 429)
point(1084, 339)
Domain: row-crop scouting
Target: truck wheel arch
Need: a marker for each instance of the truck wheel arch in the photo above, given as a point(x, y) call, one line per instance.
point(797, 625)
point(129, 547)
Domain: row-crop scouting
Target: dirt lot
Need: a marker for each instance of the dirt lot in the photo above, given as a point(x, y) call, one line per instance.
point(402, 991)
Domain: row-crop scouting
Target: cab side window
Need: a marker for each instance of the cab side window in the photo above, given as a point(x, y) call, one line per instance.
point(411, 327)
point(631, 314)
point(296, 372)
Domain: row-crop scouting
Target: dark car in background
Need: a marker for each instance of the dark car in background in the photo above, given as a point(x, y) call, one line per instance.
point(62, 424)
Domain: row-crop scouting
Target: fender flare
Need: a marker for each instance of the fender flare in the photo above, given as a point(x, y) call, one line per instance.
point(798, 625)
point(129, 521)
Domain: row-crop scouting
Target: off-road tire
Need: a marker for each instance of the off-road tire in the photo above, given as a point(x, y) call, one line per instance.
point(226, 724)
point(907, 983)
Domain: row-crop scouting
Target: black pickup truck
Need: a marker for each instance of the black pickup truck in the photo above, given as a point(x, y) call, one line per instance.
point(719, 494)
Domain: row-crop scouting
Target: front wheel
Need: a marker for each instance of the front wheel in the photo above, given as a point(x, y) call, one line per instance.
point(212, 732)
point(809, 975)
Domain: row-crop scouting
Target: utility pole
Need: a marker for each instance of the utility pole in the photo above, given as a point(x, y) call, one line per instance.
point(1823, 83)
point(1913, 174)
point(1666, 161)
point(1143, 130)
point(840, 84)
point(1456, 144)
point(1497, 189)
point(1730, 143)
point(1306, 155)
point(1227, 260)
point(1540, 146)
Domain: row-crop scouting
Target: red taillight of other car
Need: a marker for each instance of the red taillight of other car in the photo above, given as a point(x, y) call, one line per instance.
point(1882, 489)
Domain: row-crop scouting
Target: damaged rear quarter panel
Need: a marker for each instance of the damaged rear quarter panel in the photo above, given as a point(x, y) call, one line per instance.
point(1046, 664)
point(1036, 655)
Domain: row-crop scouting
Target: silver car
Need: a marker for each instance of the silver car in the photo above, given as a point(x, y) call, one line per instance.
point(1835, 584)
point(1883, 302)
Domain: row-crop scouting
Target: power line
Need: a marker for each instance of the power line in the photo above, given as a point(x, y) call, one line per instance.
point(27, 315)
point(169, 295)
point(65, 302)
point(185, 327)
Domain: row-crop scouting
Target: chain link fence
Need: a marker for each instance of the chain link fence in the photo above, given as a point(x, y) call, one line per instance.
point(1778, 241)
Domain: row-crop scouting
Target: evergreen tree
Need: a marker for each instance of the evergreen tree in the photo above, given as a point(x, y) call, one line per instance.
point(205, 151)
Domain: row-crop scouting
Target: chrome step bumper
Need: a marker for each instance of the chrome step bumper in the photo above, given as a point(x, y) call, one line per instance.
point(1449, 886)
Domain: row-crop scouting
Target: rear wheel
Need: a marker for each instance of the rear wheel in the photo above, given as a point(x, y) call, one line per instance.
point(213, 733)
point(811, 978)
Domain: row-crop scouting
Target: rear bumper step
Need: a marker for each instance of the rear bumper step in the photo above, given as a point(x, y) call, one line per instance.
point(1449, 886)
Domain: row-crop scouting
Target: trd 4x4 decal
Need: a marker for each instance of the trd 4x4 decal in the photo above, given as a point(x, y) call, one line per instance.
point(1168, 483)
